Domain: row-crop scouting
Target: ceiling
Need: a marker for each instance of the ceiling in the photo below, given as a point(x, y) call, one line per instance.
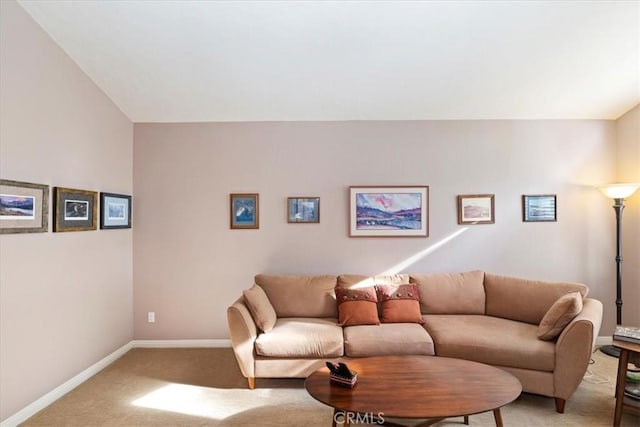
point(173, 61)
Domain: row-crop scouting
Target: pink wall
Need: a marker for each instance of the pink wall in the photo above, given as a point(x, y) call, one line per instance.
point(189, 266)
point(628, 154)
point(65, 298)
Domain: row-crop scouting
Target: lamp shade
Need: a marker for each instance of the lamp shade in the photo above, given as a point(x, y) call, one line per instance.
point(619, 191)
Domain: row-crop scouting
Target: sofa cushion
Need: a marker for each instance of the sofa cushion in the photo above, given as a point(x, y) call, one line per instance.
point(357, 306)
point(361, 281)
point(301, 337)
point(387, 339)
point(559, 315)
point(300, 296)
point(490, 340)
point(524, 300)
point(260, 308)
point(399, 303)
point(455, 293)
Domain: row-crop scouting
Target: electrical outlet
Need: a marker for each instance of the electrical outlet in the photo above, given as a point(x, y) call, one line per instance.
point(151, 317)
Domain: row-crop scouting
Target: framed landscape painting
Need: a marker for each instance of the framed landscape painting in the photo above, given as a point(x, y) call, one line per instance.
point(115, 211)
point(244, 210)
point(303, 210)
point(389, 211)
point(476, 209)
point(74, 210)
point(24, 207)
point(539, 208)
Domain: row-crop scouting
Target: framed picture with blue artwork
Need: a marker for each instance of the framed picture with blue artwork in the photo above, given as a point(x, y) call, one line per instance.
point(539, 208)
point(115, 211)
point(389, 211)
point(303, 210)
point(245, 210)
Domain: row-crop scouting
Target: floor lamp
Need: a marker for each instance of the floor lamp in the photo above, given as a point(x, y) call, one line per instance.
point(618, 192)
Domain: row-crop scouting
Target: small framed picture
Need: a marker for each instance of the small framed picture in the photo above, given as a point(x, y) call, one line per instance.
point(389, 211)
point(476, 209)
point(115, 211)
point(245, 210)
point(24, 207)
point(74, 210)
point(303, 210)
point(539, 208)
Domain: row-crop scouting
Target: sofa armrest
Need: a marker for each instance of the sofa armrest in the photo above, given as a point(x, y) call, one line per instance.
point(574, 347)
point(243, 333)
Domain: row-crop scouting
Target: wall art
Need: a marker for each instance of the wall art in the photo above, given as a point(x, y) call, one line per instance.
point(244, 210)
point(389, 211)
point(24, 207)
point(539, 208)
point(115, 211)
point(74, 210)
point(303, 210)
point(476, 209)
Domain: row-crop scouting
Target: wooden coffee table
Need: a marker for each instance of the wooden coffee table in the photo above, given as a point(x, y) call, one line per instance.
point(417, 387)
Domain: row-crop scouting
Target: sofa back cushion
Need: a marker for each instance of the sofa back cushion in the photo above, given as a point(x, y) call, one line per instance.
point(363, 281)
point(524, 300)
point(455, 293)
point(300, 296)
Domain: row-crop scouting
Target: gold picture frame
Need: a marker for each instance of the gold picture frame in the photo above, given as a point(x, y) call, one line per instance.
point(24, 207)
point(244, 210)
point(74, 210)
point(476, 209)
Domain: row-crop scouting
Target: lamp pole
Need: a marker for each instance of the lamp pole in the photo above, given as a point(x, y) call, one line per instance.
point(618, 207)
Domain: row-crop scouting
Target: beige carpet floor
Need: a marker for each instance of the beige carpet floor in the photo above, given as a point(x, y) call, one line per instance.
point(204, 387)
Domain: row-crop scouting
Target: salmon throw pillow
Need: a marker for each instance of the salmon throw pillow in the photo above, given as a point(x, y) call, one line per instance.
point(399, 304)
point(357, 306)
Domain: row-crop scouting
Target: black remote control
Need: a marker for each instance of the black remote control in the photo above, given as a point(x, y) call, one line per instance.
point(344, 371)
point(332, 367)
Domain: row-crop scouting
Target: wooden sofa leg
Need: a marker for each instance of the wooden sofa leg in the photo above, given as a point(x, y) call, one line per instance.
point(252, 382)
point(560, 405)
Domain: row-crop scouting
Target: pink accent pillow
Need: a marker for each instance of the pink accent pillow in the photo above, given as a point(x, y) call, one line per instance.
point(559, 315)
point(260, 308)
point(400, 303)
point(357, 306)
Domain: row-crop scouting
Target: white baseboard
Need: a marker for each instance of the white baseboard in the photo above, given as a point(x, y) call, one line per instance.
point(600, 341)
point(217, 343)
point(55, 394)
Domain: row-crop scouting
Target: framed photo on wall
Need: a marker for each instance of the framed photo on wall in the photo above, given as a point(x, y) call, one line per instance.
point(244, 210)
point(303, 210)
point(476, 209)
point(389, 211)
point(115, 211)
point(539, 208)
point(74, 210)
point(24, 207)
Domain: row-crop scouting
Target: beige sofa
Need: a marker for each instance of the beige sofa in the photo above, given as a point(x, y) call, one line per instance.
point(474, 315)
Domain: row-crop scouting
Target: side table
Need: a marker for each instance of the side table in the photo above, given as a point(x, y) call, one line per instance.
point(624, 402)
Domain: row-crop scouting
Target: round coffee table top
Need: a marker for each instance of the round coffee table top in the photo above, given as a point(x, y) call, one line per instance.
point(417, 387)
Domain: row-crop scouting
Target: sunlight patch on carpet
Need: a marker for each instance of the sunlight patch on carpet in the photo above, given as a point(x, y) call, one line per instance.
point(206, 402)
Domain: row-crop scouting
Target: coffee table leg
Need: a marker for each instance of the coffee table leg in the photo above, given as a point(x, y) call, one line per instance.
point(498, 417)
point(466, 419)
